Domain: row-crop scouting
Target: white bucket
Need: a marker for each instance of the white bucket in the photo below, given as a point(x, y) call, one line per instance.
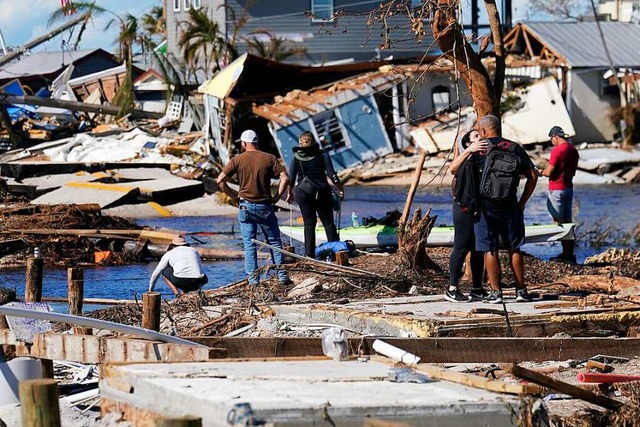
point(14, 371)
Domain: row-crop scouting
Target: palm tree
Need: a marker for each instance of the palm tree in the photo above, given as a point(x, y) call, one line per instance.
point(154, 22)
point(277, 48)
point(203, 44)
point(127, 37)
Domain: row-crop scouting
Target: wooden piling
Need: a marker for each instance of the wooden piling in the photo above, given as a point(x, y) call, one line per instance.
point(179, 422)
point(75, 292)
point(3, 322)
point(151, 310)
point(342, 258)
point(33, 293)
point(39, 402)
point(33, 288)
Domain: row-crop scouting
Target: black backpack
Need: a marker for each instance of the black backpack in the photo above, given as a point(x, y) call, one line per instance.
point(501, 174)
point(466, 189)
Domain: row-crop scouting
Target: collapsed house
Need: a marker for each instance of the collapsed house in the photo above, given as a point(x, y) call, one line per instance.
point(357, 111)
point(574, 54)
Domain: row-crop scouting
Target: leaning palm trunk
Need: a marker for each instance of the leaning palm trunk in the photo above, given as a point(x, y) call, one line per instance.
point(124, 97)
point(412, 243)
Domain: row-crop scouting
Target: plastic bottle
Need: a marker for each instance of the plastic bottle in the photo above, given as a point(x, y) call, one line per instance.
point(36, 252)
point(354, 220)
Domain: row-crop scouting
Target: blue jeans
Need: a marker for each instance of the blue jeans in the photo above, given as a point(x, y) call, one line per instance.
point(251, 216)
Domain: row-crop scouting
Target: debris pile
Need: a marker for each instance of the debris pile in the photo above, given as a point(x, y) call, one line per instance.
point(26, 227)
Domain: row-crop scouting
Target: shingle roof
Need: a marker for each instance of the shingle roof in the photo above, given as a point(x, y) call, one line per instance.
point(41, 63)
point(581, 45)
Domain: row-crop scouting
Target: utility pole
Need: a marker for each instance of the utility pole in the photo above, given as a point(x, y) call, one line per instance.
point(19, 51)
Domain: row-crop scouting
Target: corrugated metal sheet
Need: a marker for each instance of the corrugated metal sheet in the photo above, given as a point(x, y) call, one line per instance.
point(581, 45)
point(41, 63)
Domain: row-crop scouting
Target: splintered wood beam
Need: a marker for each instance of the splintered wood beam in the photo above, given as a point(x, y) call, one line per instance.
point(562, 387)
point(262, 112)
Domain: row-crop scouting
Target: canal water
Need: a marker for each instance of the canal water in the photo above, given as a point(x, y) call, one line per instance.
point(611, 210)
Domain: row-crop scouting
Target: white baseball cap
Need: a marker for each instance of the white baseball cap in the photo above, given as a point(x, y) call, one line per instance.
point(249, 136)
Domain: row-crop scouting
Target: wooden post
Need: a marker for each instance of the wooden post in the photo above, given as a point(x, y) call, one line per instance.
point(562, 387)
point(287, 258)
point(151, 310)
point(412, 191)
point(33, 288)
point(39, 402)
point(179, 422)
point(3, 322)
point(75, 292)
point(33, 293)
point(342, 257)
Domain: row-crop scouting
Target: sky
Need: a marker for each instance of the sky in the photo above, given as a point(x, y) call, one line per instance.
point(24, 20)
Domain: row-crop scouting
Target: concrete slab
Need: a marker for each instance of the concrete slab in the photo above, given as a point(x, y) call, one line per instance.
point(296, 393)
point(207, 205)
point(168, 190)
point(49, 182)
point(432, 317)
point(105, 195)
point(142, 174)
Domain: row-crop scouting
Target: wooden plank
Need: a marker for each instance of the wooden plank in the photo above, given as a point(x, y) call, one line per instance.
point(437, 350)
point(562, 387)
point(470, 380)
point(92, 349)
point(101, 301)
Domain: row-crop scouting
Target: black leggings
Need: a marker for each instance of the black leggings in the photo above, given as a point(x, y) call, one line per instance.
point(309, 205)
point(464, 241)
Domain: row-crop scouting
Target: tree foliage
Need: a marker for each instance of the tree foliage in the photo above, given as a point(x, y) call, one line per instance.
point(270, 46)
point(574, 10)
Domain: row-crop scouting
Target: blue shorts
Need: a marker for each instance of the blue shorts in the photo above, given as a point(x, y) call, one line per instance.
point(559, 203)
point(496, 228)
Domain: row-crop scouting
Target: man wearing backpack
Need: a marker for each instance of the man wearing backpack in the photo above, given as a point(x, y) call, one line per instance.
point(502, 214)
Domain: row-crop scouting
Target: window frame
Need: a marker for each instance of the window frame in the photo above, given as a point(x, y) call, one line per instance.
point(176, 5)
point(331, 11)
point(196, 4)
point(187, 5)
point(346, 141)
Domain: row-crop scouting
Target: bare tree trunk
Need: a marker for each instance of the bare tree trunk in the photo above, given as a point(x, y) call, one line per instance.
point(412, 243)
point(500, 54)
point(451, 40)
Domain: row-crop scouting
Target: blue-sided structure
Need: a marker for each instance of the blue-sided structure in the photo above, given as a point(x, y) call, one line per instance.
point(345, 118)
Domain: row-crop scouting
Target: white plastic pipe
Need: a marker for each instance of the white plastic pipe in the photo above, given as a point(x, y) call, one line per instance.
point(98, 324)
point(395, 353)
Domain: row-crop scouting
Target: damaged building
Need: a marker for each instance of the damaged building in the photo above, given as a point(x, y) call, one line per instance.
point(574, 53)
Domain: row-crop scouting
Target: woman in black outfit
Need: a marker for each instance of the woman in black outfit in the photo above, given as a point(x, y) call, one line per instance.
point(309, 170)
point(464, 240)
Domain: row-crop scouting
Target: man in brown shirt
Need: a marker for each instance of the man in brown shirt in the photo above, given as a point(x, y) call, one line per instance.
point(255, 169)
